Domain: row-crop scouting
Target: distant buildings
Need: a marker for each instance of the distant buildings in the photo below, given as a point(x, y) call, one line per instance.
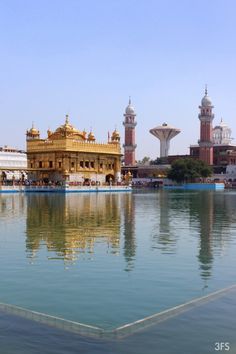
point(13, 164)
point(222, 134)
point(68, 154)
point(214, 146)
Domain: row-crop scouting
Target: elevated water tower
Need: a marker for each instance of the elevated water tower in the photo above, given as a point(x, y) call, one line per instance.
point(164, 133)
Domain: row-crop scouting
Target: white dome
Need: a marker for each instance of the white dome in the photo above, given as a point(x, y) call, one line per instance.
point(206, 101)
point(129, 109)
point(222, 124)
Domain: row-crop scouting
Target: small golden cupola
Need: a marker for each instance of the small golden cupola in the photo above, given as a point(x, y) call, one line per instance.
point(32, 133)
point(49, 132)
point(91, 136)
point(67, 127)
point(115, 136)
point(84, 134)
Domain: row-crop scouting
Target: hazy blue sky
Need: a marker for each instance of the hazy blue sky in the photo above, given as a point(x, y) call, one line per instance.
point(86, 57)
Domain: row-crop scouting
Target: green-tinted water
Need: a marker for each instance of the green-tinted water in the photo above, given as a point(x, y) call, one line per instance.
point(110, 259)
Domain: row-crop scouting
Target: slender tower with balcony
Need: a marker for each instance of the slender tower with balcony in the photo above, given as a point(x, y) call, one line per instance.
point(206, 142)
point(129, 145)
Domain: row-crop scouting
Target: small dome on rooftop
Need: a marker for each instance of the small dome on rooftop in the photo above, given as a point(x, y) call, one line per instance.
point(33, 130)
point(130, 109)
point(91, 137)
point(206, 100)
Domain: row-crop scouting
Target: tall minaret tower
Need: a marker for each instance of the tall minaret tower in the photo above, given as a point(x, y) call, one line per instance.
point(129, 145)
point(205, 142)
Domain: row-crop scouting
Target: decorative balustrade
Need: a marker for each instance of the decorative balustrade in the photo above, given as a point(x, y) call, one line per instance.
point(72, 145)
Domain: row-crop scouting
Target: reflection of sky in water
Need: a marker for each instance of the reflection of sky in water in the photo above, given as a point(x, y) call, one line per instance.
point(108, 259)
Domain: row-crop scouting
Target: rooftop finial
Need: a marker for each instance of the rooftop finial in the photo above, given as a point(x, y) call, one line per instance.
point(67, 119)
point(206, 89)
point(129, 100)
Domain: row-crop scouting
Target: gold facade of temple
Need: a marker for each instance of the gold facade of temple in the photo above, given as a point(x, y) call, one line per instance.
point(68, 154)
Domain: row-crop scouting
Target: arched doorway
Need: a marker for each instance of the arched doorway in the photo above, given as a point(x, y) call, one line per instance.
point(3, 176)
point(110, 178)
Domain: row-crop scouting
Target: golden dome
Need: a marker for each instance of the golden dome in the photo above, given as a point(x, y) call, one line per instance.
point(67, 130)
point(33, 132)
point(67, 127)
point(115, 136)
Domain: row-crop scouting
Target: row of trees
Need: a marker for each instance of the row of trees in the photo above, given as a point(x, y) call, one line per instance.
point(182, 170)
point(188, 170)
point(147, 161)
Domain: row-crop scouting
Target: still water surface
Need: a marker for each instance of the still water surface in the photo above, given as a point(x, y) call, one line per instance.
point(110, 259)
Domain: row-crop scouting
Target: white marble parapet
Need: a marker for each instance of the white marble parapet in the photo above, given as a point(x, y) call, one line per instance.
point(63, 189)
point(119, 332)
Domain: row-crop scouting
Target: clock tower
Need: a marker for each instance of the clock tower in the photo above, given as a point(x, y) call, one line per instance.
point(129, 145)
point(205, 142)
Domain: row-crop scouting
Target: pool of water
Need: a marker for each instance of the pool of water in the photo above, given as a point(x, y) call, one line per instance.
point(197, 331)
point(111, 259)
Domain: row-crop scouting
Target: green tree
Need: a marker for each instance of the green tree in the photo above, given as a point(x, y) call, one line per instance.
point(144, 161)
point(187, 170)
point(159, 161)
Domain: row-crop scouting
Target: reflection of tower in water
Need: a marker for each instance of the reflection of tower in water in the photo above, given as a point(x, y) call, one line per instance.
point(215, 215)
point(129, 230)
point(202, 210)
point(212, 212)
point(206, 216)
point(71, 225)
point(164, 237)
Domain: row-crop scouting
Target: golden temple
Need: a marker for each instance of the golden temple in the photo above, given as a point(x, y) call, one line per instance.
point(70, 155)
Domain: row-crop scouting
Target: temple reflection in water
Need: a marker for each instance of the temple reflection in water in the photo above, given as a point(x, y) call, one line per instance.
point(70, 225)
